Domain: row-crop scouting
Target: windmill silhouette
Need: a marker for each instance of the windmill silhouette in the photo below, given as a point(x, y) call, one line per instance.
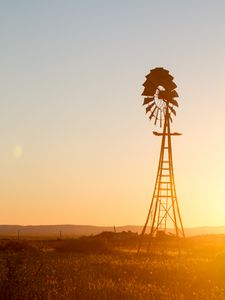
point(160, 94)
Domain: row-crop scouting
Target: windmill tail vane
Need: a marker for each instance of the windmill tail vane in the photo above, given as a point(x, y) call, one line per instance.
point(160, 101)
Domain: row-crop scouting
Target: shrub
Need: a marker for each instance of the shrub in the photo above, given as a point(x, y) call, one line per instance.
point(83, 245)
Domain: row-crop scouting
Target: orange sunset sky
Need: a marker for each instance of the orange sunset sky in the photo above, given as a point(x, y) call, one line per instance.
point(76, 146)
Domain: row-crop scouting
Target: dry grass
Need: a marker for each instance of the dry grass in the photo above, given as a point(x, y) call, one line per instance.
point(199, 273)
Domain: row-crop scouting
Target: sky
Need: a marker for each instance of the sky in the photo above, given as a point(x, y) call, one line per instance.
point(75, 144)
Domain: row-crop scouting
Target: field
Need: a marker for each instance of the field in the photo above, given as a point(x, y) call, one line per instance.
point(109, 268)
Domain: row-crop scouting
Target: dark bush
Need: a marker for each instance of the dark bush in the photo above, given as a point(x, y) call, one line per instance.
point(17, 246)
point(83, 245)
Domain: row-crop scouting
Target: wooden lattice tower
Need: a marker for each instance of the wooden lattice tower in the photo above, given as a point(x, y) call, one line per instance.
point(164, 209)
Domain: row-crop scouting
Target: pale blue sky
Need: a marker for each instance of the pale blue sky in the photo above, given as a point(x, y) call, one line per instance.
point(76, 146)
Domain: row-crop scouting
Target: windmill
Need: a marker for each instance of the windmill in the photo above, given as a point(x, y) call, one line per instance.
point(160, 101)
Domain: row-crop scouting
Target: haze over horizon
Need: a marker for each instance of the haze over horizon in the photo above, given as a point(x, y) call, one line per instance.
point(76, 145)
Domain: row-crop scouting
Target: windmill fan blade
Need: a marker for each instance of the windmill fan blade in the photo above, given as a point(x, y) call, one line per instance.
point(170, 77)
point(149, 107)
point(147, 100)
point(149, 82)
point(172, 110)
point(158, 75)
point(159, 70)
point(149, 90)
point(169, 85)
point(174, 94)
point(156, 116)
point(173, 101)
point(152, 114)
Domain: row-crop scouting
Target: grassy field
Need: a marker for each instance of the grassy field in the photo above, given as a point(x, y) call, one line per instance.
point(92, 268)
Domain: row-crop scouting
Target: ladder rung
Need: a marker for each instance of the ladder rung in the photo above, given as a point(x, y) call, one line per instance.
point(165, 168)
point(165, 196)
point(164, 175)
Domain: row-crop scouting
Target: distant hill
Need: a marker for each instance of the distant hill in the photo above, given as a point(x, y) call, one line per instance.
point(78, 230)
